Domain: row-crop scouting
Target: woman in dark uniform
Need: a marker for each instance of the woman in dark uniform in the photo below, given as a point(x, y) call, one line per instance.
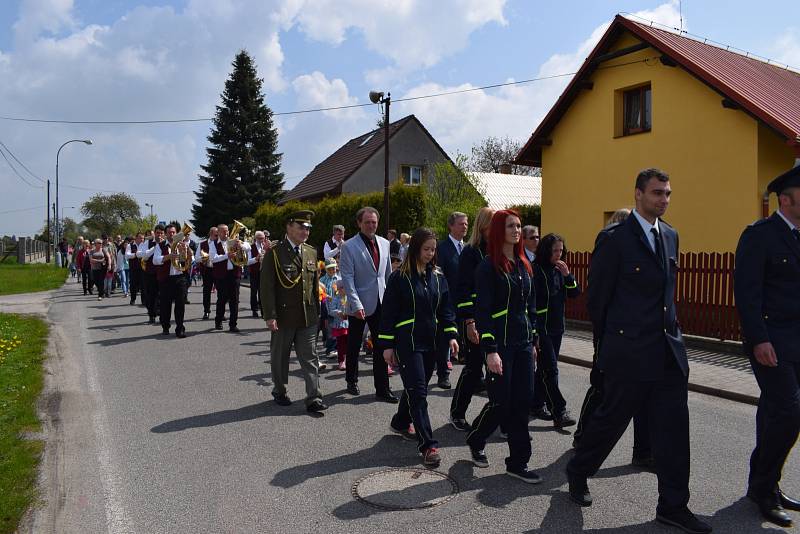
point(553, 283)
point(416, 303)
point(505, 313)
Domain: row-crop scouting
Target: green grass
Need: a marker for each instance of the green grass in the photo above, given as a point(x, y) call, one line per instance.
point(29, 278)
point(22, 344)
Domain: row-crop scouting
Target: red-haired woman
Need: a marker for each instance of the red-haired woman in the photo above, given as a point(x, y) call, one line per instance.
point(505, 316)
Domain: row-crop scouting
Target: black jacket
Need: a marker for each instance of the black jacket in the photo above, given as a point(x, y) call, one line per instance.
point(448, 260)
point(631, 302)
point(415, 308)
point(552, 290)
point(766, 285)
point(468, 263)
point(505, 309)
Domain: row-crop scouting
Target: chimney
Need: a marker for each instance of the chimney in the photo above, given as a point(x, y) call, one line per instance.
point(505, 168)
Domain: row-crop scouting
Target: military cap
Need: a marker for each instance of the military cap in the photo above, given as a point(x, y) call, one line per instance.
point(301, 217)
point(790, 178)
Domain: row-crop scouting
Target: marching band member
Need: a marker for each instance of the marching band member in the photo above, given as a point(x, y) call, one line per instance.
point(206, 270)
point(226, 278)
point(135, 266)
point(257, 250)
point(150, 281)
point(172, 284)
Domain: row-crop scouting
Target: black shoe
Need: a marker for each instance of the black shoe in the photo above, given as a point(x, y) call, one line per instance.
point(460, 423)
point(479, 457)
point(563, 420)
point(579, 490)
point(133, 301)
point(152, 320)
point(186, 301)
point(525, 475)
point(387, 397)
point(771, 509)
point(205, 316)
point(542, 413)
point(646, 463)
point(316, 407)
point(444, 383)
point(217, 326)
point(352, 389)
point(788, 503)
point(255, 315)
point(233, 329)
point(684, 520)
point(180, 333)
point(282, 400)
point(165, 331)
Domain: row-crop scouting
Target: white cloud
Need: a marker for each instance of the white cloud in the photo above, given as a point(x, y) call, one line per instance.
point(787, 49)
point(37, 16)
point(667, 14)
point(316, 91)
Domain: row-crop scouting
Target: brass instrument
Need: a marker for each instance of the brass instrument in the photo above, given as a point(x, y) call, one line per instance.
point(203, 257)
point(183, 253)
point(235, 245)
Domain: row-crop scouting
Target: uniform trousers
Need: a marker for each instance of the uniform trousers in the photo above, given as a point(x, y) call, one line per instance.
point(665, 405)
point(171, 291)
point(87, 281)
point(546, 390)
point(509, 403)
point(304, 341)
point(208, 285)
point(99, 279)
point(227, 295)
point(777, 423)
point(136, 284)
point(416, 369)
point(355, 334)
point(151, 294)
point(255, 292)
point(471, 376)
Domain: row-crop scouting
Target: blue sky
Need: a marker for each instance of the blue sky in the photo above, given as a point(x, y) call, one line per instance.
point(158, 59)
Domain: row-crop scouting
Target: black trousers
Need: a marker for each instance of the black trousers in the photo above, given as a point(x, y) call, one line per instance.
point(416, 370)
point(255, 292)
point(665, 405)
point(136, 284)
point(509, 403)
point(208, 285)
point(471, 376)
point(172, 291)
point(151, 294)
point(777, 423)
point(355, 334)
point(227, 295)
point(546, 390)
point(98, 277)
point(87, 281)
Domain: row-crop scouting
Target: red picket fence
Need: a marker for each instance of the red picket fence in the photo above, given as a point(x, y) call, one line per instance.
point(703, 294)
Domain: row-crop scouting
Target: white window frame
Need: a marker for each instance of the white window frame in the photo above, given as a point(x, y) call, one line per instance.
point(410, 179)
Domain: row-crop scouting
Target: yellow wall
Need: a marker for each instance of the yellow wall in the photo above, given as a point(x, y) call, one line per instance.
point(716, 158)
point(774, 157)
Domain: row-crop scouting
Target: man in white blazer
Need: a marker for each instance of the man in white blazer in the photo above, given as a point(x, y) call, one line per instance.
point(364, 265)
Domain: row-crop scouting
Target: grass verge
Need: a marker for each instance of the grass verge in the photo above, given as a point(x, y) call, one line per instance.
point(30, 278)
point(23, 341)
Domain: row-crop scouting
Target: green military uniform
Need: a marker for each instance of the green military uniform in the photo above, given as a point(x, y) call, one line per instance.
point(290, 295)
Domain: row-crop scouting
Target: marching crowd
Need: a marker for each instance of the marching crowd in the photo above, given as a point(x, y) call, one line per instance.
point(495, 302)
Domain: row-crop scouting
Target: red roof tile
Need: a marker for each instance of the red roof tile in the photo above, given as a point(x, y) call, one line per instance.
point(768, 92)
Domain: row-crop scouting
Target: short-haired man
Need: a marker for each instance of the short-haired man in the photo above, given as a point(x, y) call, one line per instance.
point(364, 266)
point(449, 252)
point(333, 246)
point(259, 247)
point(171, 284)
point(394, 243)
point(640, 351)
point(150, 281)
point(202, 257)
point(226, 278)
point(135, 266)
point(530, 240)
point(767, 290)
point(290, 306)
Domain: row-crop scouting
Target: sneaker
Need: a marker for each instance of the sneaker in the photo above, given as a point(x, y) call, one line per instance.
point(408, 434)
point(460, 424)
point(431, 458)
point(342, 366)
point(99, 298)
point(449, 365)
point(525, 475)
point(479, 457)
point(563, 420)
point(684, 520)
point(501, 434)
point(322, 365)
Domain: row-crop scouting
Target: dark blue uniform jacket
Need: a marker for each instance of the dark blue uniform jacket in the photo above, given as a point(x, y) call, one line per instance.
point(767, 287)
point(470, 258)
point(552, 290)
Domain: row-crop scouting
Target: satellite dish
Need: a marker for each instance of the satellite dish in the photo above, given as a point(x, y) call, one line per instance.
point(375, 96)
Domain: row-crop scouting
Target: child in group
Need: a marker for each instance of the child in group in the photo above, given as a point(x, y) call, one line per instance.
point(337, 317)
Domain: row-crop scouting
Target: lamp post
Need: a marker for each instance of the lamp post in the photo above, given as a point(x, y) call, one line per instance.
point(377, 98)
point(49, 237)
point(84, 141)
point(151, 208)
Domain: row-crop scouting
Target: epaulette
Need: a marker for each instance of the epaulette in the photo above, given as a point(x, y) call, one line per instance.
point(668, 225)
point(611, 228)
point(760, 222)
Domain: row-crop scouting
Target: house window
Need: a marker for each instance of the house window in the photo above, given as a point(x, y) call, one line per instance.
point(412, 174)
point(637, 110)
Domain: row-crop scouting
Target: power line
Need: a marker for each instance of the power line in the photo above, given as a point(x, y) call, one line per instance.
point(18, 161)
point(11, 165)
point(22, 209)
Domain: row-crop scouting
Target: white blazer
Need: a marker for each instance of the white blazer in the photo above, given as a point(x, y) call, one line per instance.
point(363, 283)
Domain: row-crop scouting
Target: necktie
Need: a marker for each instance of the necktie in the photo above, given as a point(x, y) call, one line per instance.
point(796, 234)
point(374, 253)
point(297, 250)
point(459, 248)
point(658, 249)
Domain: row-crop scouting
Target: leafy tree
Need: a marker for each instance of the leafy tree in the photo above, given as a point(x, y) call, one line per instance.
point(490, 153)
point(448, 189)
point(106, 213)
point(243, 169)
point(69, 228)
point(130, 227)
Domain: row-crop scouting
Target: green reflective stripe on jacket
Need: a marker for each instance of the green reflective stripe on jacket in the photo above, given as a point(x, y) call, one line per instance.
point(450, 329)
point(385, 336)
point(573, 286)
point(487, 335)
point(543, 310)
point(403, 323)
point(474, 295)
point(465, 304)
point(500, 313)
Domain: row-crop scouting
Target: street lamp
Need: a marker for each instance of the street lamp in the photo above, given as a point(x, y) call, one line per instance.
point(84, 141)
point(377, 98)
point(151, 209)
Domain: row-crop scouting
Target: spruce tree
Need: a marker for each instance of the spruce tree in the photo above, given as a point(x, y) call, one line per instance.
point(244, 167)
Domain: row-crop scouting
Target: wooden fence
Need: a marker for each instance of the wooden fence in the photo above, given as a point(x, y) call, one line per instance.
point(703, 294)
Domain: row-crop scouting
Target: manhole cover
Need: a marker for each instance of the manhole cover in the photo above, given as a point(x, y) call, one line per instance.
point(405, 488)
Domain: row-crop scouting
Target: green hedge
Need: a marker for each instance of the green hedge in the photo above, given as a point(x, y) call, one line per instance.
point(529, 213)
point(406, 204)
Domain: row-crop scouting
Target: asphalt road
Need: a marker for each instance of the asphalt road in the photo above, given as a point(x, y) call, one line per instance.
point(152, 434)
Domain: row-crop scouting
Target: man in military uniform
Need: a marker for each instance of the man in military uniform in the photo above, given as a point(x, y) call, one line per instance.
point(290, 306)
point(767, 290)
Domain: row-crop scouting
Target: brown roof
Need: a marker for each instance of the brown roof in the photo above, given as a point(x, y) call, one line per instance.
point(768, 92)
point(328, 176)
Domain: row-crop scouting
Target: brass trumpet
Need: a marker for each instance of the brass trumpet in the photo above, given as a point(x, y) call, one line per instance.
point(235, 245)
point(183, 253)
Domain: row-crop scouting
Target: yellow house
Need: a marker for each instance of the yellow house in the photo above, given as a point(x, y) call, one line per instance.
point(721, 124)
